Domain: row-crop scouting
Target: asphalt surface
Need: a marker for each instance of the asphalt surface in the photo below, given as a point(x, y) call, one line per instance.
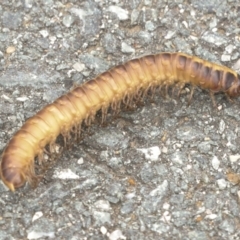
point(162, 171)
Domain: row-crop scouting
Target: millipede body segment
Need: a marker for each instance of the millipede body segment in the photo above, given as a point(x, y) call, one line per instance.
point(121, 85)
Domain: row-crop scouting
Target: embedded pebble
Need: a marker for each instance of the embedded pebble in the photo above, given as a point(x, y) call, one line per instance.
point(22, 99)
point(109, 42)
point(178, 158)
point(222, 126)
point(101, 218)
point(36, 216)
point(121, 13)
point(65, 174)
point(37, 235)
point(12, 20)
point(222, 184)
point(234, 158)
point(44, 33)
point(115, 163)
point(78, 66)
point(225, 58)
point(204, 147)
point(28, 3)
point(236, 66)
point(68, 20)
point(128, 207)
point(41, 228)
point(80, 161)
point(94, 63)
point(160, 190)
point(228, 225)
point(10, 49)
point(116, 235)
point(134, 16)
point(103, 230)
point(214, 38)
point(170, 34)
point(127, 48)
point(188, 133)
point(151, 153)
point(215, 163)
point(149, 26)
point(103, 205)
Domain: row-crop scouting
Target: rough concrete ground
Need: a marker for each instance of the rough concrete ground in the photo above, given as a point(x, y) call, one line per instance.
point(164, 171)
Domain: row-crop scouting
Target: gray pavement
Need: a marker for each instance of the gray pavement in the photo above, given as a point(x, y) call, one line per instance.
point(163, 171)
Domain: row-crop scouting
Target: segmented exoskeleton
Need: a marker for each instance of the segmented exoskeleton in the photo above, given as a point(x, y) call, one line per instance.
point(122, 84)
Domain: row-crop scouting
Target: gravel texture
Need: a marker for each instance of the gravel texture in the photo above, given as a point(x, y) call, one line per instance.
point(165, 170)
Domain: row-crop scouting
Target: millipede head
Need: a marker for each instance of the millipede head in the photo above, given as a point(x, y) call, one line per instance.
point(232, 82)
point(234, 91)
point(13, 178)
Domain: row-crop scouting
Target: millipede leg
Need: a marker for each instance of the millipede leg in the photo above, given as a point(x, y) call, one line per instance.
point(229, 98)
point(34, 180)
point(167, 91)
point(213, 99)
point(40, 158)
point(66, 138)
point(191, 94)
point(153, 89)
point(180, 88)
point(90, 119)
point(52, 147)
point(164, 91)
point(118, 107)
point(104, 111)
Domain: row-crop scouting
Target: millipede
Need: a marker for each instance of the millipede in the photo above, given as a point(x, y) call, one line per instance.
point(120, 86)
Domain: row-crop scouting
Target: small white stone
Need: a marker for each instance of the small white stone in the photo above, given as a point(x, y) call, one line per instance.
point(116, 235)
point(188, 167)
point(80, 161)
point(102, 205)
point(126, 48)
point(65, 174)
point(130, 195)
point(215, 163)
point(5, 97)
point(120, 12)
point(229, 49)
point(103, 230)
point(222, 184)
point(78, 66)
point(52, 39)
point(193, 13)
point(36, 216)
point(44, 33)
point(222, 126)
point(22, 99)
point(68, 20)
point(226, 58)
point(185, 24)
point(37, 235)
point(151, 153)
point(165, 150)
point(238, 193)
point(236, 66)
point(234, 158)
point(211, 216)
point(10, 49)
point(166, 217)
point(166, 206)
point(170, 34)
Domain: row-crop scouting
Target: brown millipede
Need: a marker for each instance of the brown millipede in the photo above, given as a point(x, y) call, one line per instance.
point(122, 84)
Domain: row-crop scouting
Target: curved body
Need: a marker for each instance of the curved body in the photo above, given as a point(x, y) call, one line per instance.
point(121, 84)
